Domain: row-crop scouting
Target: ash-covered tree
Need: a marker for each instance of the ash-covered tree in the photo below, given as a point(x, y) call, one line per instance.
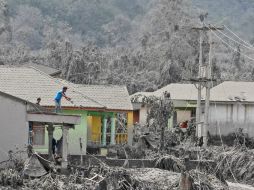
point(161, 109)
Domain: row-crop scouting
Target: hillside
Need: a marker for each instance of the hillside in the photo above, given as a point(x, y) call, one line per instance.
point(144, 44)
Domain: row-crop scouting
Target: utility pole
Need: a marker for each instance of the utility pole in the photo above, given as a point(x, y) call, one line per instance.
point(208, 88)
point(199, 87)
point(204, 80)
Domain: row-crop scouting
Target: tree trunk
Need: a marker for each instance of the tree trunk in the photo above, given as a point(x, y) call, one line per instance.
point(162, 141)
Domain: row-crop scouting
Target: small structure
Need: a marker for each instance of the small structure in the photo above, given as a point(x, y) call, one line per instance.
point(17, 118)
point(231, 108)
point(184, 97)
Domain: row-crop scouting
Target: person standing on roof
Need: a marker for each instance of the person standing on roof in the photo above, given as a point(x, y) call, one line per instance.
point(38, 101)
point(58, 98)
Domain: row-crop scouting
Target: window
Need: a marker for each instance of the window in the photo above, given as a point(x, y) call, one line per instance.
point(38, 135)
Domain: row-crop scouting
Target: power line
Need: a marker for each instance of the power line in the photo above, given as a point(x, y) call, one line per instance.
point(251, 48)
point(232, 46)
point(238, 36)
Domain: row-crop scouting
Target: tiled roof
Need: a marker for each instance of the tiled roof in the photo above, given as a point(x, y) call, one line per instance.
point(29, 84)
point(46, 69)
point(114, 97)
point(233, 91)
point(225, 92)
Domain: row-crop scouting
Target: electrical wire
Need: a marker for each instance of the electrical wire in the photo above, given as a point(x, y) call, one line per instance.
point(251, 48)
point(238, 37)
point(231, 46)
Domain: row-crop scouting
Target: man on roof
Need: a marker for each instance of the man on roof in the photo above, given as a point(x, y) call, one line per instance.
point(58, 98)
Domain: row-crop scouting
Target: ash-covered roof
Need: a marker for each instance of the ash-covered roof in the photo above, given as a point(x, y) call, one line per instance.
point(177, 92)
point(113, 97)
point(29, 84)
point(229, 91)
point(46, 69)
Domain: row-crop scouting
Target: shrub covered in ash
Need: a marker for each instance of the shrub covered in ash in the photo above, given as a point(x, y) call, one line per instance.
point(10, 177)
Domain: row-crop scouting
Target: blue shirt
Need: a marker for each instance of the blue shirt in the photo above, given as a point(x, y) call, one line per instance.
point(59, 96)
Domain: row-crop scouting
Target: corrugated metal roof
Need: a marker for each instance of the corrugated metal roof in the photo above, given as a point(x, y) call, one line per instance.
point(29, 84)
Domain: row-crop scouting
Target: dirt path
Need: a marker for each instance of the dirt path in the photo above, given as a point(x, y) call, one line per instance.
point(237, 186)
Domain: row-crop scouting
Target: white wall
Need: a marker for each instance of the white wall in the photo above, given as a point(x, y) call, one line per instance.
point(227, 118)
point(143, 114)
point(183, 115)
point(13, 125)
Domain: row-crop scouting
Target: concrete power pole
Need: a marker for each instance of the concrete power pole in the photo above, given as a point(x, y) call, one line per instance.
point(199, 87)
point(204, 80)
point(208, 75)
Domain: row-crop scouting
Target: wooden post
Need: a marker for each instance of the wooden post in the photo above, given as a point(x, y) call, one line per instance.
point(50, 139)
point(185, 182)
point(65, 147)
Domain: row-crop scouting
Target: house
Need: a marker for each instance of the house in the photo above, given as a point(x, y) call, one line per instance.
point(18, 117)
point(30, 83)
point(118, 114)
point(184, 97)
point(118, 107)
point(231, 108)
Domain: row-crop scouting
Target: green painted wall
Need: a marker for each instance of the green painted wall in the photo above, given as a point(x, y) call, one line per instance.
point(80, 131)
point(94, 113)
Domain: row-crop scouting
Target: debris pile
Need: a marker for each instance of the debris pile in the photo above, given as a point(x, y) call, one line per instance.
point(154, 178)
point(237, 165)
point(197, 180)
point(170, 163)
point(130, 152)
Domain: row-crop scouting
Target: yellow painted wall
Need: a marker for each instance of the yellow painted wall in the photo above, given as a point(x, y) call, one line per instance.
point(89, 128)
point(130, 127)
point(96, 129)
point(129, 119)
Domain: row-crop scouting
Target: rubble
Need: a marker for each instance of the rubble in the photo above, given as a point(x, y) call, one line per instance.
point(157, 179)
point(170, 171)
point(170, 163)
point(237, 165)
point(203, 181)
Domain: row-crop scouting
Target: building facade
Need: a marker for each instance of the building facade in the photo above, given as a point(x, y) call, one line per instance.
point(100, 107)
point(183, 96)
point(232, 108)
point(19, 117)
